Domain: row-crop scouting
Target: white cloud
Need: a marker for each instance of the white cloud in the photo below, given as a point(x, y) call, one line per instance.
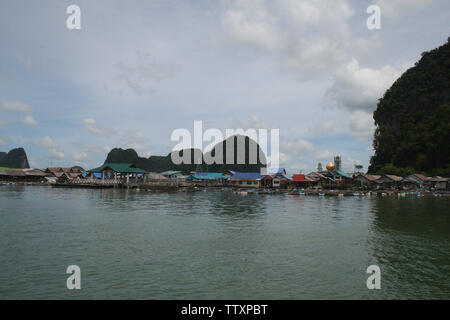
point(258, 123)
point(362, 125)
point(29, 120)
point(2, 141)
point(392, 8)
point(138, 76)
point(305, 35)
point(298, 147)
point(96, 129)
point(323, 127)
point(138, 141)
point(325, 156)
point(80, 156)
point(251, 24)
point(358, 88)
point(47, 143)
point(55, 154)
point(16, 106)
point(294, 168)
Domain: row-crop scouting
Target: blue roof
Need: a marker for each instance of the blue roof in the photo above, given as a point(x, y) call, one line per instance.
point(207, 176)
point(343, 174)
point(170, 172)
point(247, 176)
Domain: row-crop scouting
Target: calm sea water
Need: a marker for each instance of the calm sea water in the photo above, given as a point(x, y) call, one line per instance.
point(217, 245)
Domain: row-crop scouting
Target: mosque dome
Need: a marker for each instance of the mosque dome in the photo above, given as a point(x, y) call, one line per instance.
point(330, 166)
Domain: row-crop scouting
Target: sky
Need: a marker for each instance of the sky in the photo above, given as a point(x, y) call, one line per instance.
point(138, 70)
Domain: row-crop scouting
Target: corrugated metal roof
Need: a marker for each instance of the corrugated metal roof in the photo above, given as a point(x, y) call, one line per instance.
point(299, 178)
point(439, 179)
point(207, 176)
point(34, 172)
point(421, 177)
point(170, 172)
point(341, 173)
point(394, 178)
point(156, 176)
point(246, 176)
point(367, 177)
point(317, 174)
point(15, 173)
point(276, 171)
point(119, 167)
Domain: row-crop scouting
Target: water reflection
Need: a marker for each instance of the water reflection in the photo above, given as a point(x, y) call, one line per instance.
point(200, 245)
point(410, 240)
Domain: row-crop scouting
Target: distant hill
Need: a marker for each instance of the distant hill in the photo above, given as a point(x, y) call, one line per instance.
point(165, 163)
point(16, 158)
point(413, 119)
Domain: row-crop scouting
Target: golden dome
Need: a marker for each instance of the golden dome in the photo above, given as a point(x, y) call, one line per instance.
point(330, 166)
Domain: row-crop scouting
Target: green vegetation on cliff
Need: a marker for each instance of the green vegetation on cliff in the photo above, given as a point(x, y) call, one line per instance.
point(413, 119)
point(16, 158)
point(165, 163)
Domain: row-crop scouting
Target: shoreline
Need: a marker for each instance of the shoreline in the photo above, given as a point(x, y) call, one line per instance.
point(241, 191)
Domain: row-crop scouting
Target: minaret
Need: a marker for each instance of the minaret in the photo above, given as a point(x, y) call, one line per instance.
point(319, 167)
point(337, 162)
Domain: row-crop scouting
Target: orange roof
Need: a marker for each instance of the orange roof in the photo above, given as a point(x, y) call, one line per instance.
point(299, 178)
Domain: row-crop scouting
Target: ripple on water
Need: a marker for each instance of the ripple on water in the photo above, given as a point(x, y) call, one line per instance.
point(218, 245)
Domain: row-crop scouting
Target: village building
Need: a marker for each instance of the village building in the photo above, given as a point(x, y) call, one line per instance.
point(22, 175)
point(318, 178)
point(153, 176)
point(118, 172)
point(338, 176)
point(205, 177)
point(34, 175)
point(171, 174)
point(389, 181)
point(246, 179)
point(275, 178)
point(59, 172)
point(302, 181)
point(440, 183)
point(418, 181)
point(12, 175)
point(366, 181)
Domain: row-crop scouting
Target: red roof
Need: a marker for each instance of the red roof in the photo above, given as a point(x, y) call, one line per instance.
point(299, 178)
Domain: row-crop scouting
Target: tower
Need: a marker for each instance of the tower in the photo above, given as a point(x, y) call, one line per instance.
point(319, 167)
point(337, 162)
